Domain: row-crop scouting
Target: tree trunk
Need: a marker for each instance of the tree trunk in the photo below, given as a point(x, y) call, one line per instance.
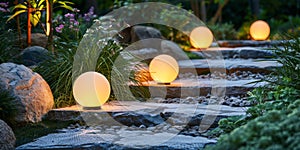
point(29, 25)
point(219, 12)
point(195, 7)
point(203, 11)
point(254, 5)
point(16, 2)
point(49, 30)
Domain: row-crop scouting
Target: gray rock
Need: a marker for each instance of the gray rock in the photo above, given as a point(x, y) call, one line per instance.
point(133, 34)
point(33, 97)
point(136, 119)
point(144, 32)
point(37, 39)
point(7, 137)
point(34, 55)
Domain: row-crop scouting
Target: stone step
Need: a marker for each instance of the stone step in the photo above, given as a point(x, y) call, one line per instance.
point(161, 128)
point(202, 87)
point(148, 110)
point(239, 52)
point(203, 66)
point(243, 43)
point(85, 139)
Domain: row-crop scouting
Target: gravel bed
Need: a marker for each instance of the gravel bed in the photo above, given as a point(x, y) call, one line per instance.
point(233, 101)
point(238, 75)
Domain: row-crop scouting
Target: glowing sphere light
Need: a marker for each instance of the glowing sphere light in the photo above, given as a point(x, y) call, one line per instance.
point(163, 69)
point(91, 89)
point(259, 30)
point(201, 37)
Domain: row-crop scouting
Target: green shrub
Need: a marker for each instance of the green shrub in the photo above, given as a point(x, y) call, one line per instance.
point(244, 31)
point(275, 130)
point(279, 27)
point(224, 31)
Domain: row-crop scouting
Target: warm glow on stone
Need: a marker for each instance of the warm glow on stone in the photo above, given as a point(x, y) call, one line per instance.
point(91, 89)
point(259, 30)
point(201, 37)
point(164, 69)
point(142, 75)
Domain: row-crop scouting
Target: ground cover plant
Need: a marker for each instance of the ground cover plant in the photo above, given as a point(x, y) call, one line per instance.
point(273, 123)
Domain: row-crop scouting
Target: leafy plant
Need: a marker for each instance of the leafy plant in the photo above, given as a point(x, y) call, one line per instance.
point(272, 122)
point(279, 27)
point(58, 71)
point(243, 32)
point(34, 9)
point(224, 31)
point(274, 130)
point(37, 7)
point(7, 107)
point(8, 39)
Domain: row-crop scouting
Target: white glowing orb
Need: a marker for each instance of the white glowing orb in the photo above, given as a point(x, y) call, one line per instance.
point(259, 30)
point(163, 69)
point(201, 37)
point(91, 89)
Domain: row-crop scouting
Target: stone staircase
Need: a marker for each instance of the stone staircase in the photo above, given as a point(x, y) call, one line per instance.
point(154, 125)
point(239, 61)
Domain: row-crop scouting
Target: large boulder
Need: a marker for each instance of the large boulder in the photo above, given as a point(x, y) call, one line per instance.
point(7, 137)
point(33, 97)
point(34, 55)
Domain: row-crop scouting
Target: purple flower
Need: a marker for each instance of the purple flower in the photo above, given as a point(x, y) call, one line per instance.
point(3, 9)
point(72, 20)
point(3, 4)
point(76, 23)
point(59, 28)
point(68, 15)
point(90, 15)
point(87, 17)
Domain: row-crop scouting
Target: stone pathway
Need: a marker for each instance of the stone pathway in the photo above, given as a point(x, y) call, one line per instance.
point(135, 125)
point(178, 115)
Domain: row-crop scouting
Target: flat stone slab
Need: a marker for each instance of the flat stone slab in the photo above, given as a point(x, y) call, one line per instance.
point(242, 43)
point(94, 139)
point(238, 52)
point(165, 135)
point(115, 108)
point(201, 87)
point(202, 66)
